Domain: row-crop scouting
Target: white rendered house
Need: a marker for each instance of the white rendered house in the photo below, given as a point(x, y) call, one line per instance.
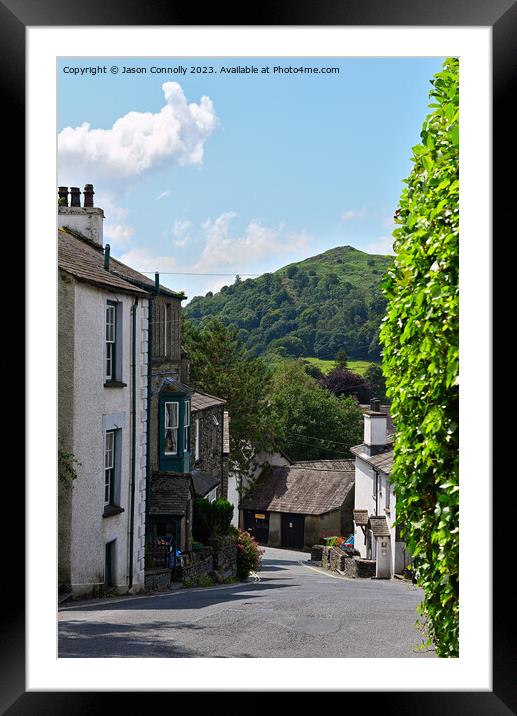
point(376, 535)
point(102, 410)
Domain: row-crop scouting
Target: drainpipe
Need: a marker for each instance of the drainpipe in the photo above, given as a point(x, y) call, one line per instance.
point(133, 440)
point(222, 455)
point(149, 396)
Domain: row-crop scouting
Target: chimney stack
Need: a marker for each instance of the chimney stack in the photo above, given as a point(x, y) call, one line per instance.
point(75, 196)
point(86, 220)
point(63, 195)
point(88, 195)
point(375, 429)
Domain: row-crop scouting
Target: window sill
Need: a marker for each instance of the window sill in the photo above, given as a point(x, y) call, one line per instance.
point(110, 510)
point(115, 384)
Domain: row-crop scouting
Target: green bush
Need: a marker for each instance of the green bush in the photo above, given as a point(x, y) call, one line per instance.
point(222, 515)
point(201, 520)
point(419, 338)
point(211, 518)
point(248, 555)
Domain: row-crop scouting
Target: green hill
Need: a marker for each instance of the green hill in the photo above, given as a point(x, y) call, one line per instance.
point(310, 308)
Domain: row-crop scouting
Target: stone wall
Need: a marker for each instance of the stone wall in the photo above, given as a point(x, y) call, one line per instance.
point(224, 557)
point(210, 445)
point(335, 560)
point(194, 565)
point(157, 579)
point(218, 559)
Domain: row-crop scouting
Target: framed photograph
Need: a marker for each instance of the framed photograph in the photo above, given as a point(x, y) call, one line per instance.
point(280, 90)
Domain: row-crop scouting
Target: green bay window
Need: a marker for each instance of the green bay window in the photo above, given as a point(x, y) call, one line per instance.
point(174, 430)
point(171, 423)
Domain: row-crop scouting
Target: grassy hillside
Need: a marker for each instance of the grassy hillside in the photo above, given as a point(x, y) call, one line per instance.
point(312, 308)
point(356, 366)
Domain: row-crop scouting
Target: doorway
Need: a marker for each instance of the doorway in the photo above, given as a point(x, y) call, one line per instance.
point(109, 565)
point(257, 524)
point(293, 531)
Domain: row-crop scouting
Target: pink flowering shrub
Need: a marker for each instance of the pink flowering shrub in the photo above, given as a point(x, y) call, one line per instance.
point(249, 555)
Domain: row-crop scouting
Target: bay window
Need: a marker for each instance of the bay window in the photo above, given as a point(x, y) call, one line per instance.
point(171, 424)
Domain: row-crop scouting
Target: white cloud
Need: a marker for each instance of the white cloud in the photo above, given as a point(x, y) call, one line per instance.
point(163, 195)
point(118, 234)
point(145, 261)
point(229, 250)
point(383, 246)
point(139, 141)
point(181, 232)
point(353, 214)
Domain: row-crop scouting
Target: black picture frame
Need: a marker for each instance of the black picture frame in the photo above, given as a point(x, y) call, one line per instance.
point(501, 16)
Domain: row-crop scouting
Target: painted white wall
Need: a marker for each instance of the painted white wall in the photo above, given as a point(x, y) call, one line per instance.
point(93, 402)
point(381, 502)
point(87, 221)
point(375, 427)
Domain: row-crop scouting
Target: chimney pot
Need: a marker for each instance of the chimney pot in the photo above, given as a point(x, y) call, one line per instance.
point(375, 405)
point(75, 198)
point(63, 195)
point(88, 195)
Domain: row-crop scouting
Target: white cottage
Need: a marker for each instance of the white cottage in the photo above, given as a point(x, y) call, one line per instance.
point(102, 411)
point(376, 536)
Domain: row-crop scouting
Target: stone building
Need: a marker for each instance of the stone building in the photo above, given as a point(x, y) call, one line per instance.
point(102, 428)
point(210, 448)
point(126, 413)
point(294, 506)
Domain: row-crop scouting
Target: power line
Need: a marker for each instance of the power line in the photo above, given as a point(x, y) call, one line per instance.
point(192, 273)
point(320, 447)
point(313, 437)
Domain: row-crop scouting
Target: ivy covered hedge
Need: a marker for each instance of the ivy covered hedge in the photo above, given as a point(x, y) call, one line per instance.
point(419, 339)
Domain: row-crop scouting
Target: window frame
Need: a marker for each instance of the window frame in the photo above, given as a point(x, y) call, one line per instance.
point(167, 427)
point(110, 470)
point(111, 344)
point(197, 440)
point(186, 425)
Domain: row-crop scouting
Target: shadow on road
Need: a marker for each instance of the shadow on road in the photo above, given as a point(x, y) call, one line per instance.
point(190, 599)
point(121, 640)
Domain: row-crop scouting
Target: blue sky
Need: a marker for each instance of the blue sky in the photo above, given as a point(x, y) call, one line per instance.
point(240, 173)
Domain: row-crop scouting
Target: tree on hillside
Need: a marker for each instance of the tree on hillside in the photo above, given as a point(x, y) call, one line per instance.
point(374, 375)
point(312, 423)
point(420, 361)
point(341, 381)
point(341, 358)
point(221, 366)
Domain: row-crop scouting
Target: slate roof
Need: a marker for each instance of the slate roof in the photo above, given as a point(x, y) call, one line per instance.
point(170, 494)
point(379, 527)
point(383, 461)
point(361, 517)
point(300, 489)
point(204, 482)
point(226, 433)
point(201, 401)
point(84, 259)
point(327, 464)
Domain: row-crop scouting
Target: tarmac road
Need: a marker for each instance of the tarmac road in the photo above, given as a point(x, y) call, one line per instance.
point(294, 610)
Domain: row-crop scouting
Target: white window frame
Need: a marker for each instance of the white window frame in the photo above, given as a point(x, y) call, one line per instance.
point(186, 426)
point(196, 453)
point(167, 427)
point(111, 338)
point(109, 466)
